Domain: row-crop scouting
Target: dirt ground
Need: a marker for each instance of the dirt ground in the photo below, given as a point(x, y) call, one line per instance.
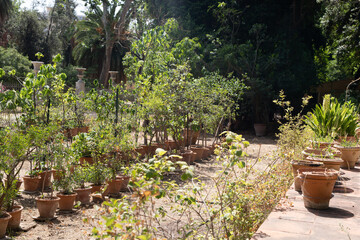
point(71, 226)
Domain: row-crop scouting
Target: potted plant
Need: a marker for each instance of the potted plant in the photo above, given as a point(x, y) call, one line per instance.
point(317, 187)
point(84, 146)
point(81, 176)
point(65, 185)
point(97, 173)
point(350, 152)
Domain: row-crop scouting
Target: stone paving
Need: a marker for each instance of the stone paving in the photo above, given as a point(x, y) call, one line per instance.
point(340, 221)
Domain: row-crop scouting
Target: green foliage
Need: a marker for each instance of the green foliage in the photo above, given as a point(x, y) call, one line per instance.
point(333, 118)
point(11, 59)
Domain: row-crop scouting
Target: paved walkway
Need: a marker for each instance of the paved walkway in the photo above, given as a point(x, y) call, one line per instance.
point(340, 221)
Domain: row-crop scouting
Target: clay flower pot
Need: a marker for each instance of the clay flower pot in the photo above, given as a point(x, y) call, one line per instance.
point(317, 187)
point(303, 164)
point(124, 181)
point(45, 179)
point(86, 160)
point(83, 195)
point(330, 163)
point(187, 157)
point(349, 155)
point(321, 145)
point(14, 222)
point(207, 152)
point(199, 152)
point(66, 202)
point(47, 207)
point(260, 129)
point(113, 186)
point(96, 188)
point(170, 145)
point(311, 152)
point(4, 220)
point(31, 184)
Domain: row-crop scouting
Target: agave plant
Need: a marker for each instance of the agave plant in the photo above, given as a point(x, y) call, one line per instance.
point(332, 119)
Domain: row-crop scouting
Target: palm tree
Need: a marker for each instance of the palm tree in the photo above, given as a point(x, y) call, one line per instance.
point(99, 40)
point(5, 7)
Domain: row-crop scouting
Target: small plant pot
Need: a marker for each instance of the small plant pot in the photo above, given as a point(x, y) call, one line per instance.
point(199, 153)
point(303, 164)
point(349, 155)
point(45, 179)
point(113, 187)
point(329, 163)
point(207, 152)
point(4, 220)
point(317, 187)
point(97, 197)
point(187, 157)
point(67, 201)
point(96, 188)
point(47, 207)
point(31, 184)
point(83, 195)
point(260, 129)
point(318, 153)
point(124, 182)
point(86, 160)
point(73, 132)
point(83, 129)
point(14, 222)
point(170, 145)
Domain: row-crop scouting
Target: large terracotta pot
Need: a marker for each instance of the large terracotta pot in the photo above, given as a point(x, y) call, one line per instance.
point(31, 184)
point(47, 207)
point(303, 164)
point(4, 220)
point(199, 153)
point(260, 129)
point(83, 195)
point(317, 187)
point(67, 201)
point(14, 222)
point(349, 155)
point(330, 163)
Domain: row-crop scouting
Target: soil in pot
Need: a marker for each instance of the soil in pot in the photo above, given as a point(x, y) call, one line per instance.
point(349, 155)
point(67, 201)
point(47, 207)
point(83, 195)
point(14, 222)
point(4, 220)
point(317, 187)
point(31, 184)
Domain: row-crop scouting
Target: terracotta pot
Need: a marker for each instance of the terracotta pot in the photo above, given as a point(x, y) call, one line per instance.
point(18, 183)
point(31, 184)
point(349, 155)
point(141, 151)
point(329, 163)
point(45, 179)
point(192, 135)
point(113, 186)
point(260, 129)
point(298, 181)
point(199, 153)
point(83, 129)
point(317, 187)
point(73, 132)
point(124, 182)
point(321, 145)
point(4, 220)
point(67, 201)
point(170, 145)
point(188, 157)
point(207, 152)
point(96, 188)
point(14, 222)
point(47, 206)
point(341, 139)
point(301, 164)
point(83, 195)
point(97, 197)
point(86, 160)
point(311, 152)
